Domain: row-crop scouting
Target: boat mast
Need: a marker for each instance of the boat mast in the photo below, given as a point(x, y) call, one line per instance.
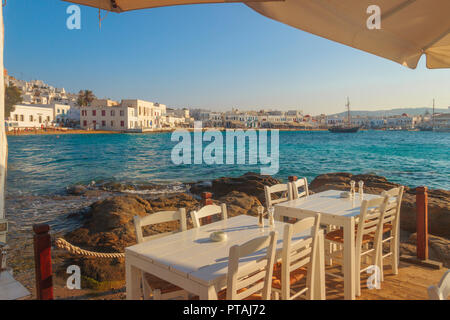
point(432, 117)
point(348, 111)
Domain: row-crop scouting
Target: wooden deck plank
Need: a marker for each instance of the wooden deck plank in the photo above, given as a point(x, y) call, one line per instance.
point(410, 284)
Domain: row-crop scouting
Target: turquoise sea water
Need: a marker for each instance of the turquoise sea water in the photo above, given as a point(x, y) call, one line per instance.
point(47, 164)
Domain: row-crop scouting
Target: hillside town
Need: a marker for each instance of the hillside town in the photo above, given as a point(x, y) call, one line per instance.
point(44, 106)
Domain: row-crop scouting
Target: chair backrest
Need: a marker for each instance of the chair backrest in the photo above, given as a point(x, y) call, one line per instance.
point(442, 290)
point(242, 283)
point(392, 214)
point(293, 189)
point(282, 189)
point(370, 220)
point(298, 254)
point(156, 218)
point(207, 211)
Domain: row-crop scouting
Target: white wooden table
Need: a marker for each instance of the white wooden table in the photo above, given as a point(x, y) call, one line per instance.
point(337, 211)
point(191, 261)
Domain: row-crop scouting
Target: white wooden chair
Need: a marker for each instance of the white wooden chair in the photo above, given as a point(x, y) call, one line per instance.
point(251, 283)
point(298, 261)
point(369, 231)
point(281, 189)
point(151, 284)
point(208, 211)
point(391, 225)
point(293, 189)
point(442, 290)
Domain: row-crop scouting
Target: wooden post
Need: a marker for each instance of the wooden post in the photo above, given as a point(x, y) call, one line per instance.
point(422, 222)
point(206, 200)
point(43, 262)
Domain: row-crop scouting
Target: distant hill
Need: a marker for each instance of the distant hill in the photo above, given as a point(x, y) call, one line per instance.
point(392, 112)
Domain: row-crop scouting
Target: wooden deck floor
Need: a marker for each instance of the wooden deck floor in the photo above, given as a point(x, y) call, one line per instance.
point(411, 283)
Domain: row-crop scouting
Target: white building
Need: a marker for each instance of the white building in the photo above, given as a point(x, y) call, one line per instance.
point(30, 116)
point(133, 115)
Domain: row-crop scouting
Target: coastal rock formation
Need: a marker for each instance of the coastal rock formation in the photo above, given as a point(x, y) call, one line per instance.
point(240, 203)
point(438, 248)
point(250, 183)
point(438, 200)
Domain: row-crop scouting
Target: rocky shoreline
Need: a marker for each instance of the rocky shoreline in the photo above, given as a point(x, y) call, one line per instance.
point(107, 226)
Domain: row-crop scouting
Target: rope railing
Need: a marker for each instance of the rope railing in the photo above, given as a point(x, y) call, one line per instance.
point(63, 244)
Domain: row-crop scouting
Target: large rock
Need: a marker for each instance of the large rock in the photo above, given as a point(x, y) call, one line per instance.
point(438, 200)
point(240, 203)
point(250, 183)
point(341, 181)
point(438, 248)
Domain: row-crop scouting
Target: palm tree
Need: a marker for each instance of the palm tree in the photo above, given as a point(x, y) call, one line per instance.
point(85, 97)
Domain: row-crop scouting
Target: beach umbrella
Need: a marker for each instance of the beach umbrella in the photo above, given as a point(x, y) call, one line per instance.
point(407, 29)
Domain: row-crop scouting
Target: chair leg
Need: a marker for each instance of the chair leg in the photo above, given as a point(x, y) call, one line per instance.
point(146, 289)
point(395, 253)
point(276, 295)
point(380, 259)
point(157, 294)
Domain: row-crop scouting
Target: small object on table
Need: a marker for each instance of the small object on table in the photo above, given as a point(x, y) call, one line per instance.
point(271, 211)
point(352, 188)
point(360, 189)
point(218, 236)
point(345, 194)
point(260, 216)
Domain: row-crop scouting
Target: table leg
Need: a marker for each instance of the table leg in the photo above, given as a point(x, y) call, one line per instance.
point(209, 293)
point(349, 259)
point(319, 281)
point(133, 281)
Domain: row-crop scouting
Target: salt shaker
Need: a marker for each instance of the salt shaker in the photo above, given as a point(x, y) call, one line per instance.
point(271, 218)
point(352, 188)
point(260, 217)
point(360, 188)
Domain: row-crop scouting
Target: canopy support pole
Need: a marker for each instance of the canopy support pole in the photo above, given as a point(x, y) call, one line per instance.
point(3, 141)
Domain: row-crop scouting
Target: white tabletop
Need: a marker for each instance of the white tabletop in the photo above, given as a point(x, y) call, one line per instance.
point(329, 202)
point(11, 289)
point(192, 254)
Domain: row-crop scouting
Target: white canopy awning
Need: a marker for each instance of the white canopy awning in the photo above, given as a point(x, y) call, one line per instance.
point(409, 28)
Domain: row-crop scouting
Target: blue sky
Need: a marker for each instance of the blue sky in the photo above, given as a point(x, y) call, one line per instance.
point(214, 56)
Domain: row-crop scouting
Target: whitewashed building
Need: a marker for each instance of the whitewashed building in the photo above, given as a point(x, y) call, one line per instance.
point(30, 116)
point(129, 115)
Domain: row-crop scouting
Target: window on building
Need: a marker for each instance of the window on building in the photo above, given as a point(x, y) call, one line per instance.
point(85, 123)
point(140, 110)
point(121, 113)
point(48, 118)
point(21, 117)
point(112, 123)
point(103, 123)
point(112, 113)
point(103, 113)
point(94, 112)
point(40, 119)
point(31, 118)
point(16, 117)
point(122, 124)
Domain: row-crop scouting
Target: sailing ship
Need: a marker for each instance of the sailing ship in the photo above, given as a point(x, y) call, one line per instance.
point(348, 128)
point(428, 127)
